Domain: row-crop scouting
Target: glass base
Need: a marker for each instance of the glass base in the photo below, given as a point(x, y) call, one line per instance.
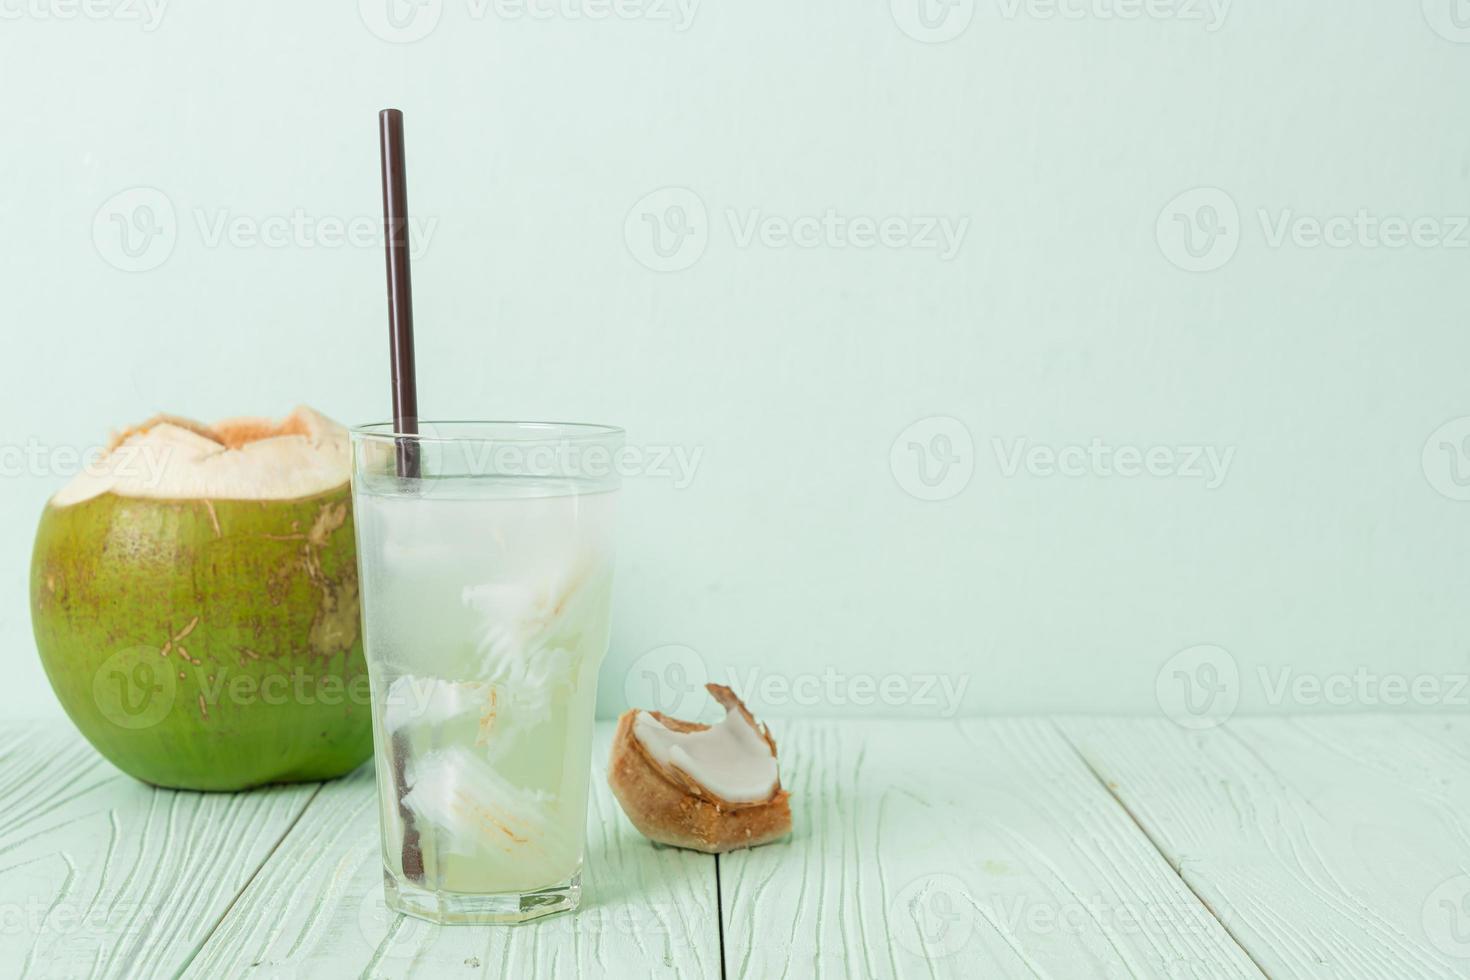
point(462, 908)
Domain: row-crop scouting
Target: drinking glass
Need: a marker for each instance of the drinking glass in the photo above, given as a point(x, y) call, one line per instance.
point(485, 552)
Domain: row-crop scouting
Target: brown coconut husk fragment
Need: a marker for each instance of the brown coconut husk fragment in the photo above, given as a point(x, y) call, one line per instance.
point(670, 806)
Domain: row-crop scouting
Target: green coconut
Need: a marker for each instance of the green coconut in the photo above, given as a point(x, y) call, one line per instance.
point(195, 603)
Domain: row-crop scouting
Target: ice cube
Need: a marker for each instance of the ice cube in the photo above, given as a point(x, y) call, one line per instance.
point(472, 809)
point(530, 634)
point(413, 700)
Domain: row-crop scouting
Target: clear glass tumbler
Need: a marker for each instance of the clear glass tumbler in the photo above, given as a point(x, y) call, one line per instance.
point(485, 552)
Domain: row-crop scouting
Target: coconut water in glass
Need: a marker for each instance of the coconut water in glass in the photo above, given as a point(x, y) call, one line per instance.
point(486, 577)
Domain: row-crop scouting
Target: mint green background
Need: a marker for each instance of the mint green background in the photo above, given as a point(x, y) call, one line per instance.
point(795, 550)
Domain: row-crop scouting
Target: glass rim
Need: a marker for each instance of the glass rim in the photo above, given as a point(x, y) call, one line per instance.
point(513, 431)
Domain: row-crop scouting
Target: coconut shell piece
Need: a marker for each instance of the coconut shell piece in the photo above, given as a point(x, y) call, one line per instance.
point(672, 807)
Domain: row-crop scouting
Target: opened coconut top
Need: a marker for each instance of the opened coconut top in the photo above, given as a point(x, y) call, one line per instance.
point(168, 457)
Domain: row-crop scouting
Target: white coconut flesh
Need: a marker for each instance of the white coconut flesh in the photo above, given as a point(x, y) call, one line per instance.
point(171, 458)
point(731, 759)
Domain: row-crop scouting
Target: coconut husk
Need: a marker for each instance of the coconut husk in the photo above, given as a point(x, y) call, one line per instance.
point(670, 806)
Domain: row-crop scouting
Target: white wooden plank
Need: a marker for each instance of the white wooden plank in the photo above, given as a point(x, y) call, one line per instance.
point(103, 876)
point(1329, 847)
point(971, 849)
point(316, 909)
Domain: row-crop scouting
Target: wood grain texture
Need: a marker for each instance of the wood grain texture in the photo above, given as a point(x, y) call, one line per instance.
point(103, 876)
point(1329, 847)
point(316, 909)
point(970, 849)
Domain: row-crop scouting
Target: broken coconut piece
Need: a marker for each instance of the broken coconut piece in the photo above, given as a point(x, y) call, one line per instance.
point(711, 788)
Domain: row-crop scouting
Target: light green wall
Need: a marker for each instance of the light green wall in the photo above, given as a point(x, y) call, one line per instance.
point(1066, 313)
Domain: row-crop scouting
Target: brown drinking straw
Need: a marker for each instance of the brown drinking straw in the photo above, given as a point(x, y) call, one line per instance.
point(405, 396)
point(400, 291)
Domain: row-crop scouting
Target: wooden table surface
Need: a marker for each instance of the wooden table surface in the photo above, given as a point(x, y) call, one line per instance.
point(1029, 847)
